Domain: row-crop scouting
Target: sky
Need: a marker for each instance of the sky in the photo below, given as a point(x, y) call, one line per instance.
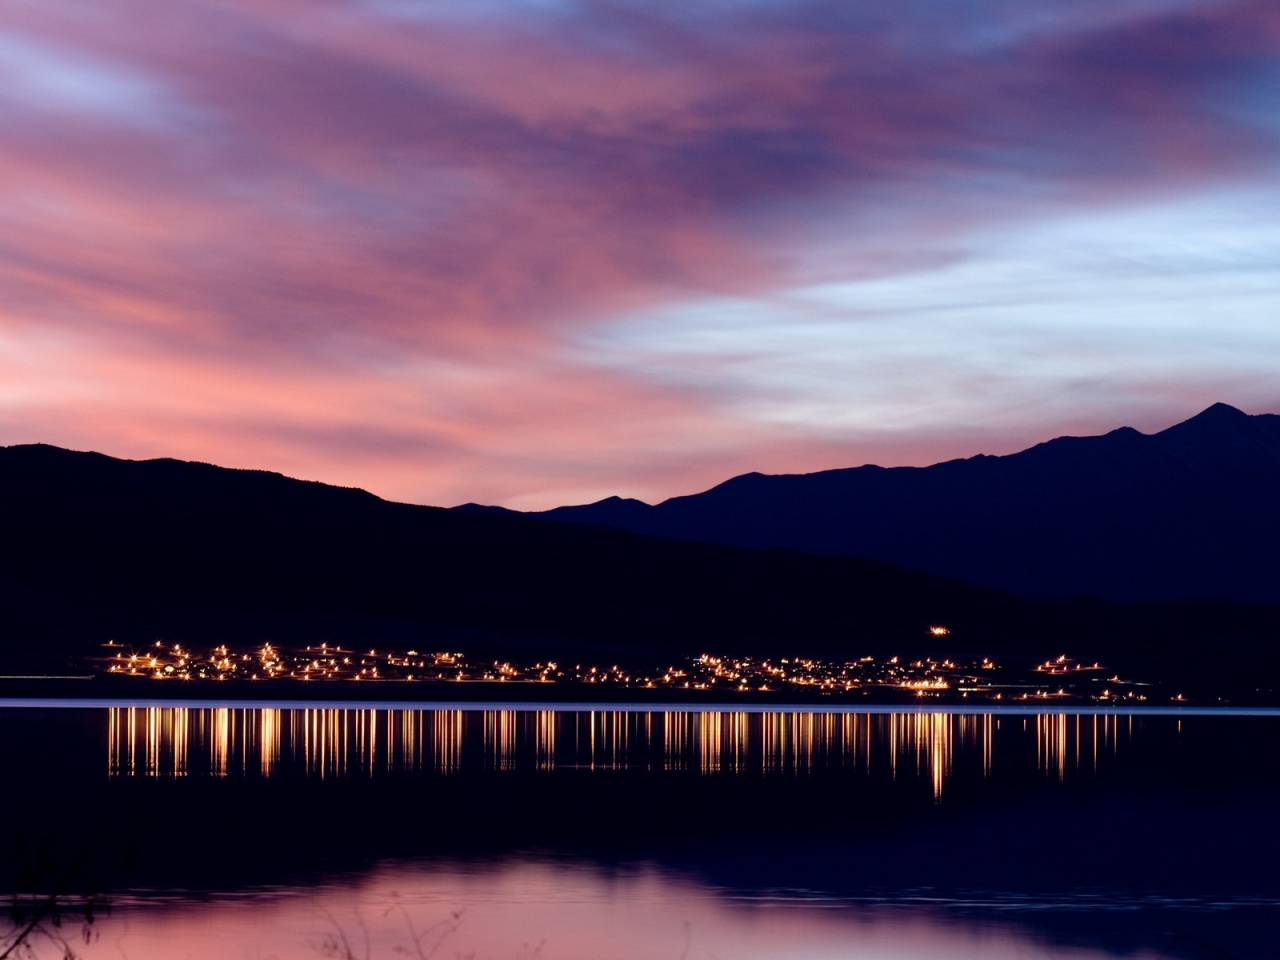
point(535, 252)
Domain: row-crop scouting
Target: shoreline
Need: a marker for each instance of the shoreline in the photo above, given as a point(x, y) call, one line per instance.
point(107, 690)
point(756, 706)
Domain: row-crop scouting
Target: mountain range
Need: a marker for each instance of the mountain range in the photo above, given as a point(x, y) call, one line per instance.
point(98, 548)
point(1190, 512)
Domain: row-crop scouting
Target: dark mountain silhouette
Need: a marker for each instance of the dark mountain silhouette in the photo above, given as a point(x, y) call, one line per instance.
point(1190, 512)
point(95, 547)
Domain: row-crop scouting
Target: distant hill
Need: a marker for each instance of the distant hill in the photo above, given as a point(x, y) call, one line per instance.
point(95, 547)
point(1190, 512)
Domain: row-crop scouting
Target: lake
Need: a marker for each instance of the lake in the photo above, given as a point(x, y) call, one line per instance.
point(261, 830)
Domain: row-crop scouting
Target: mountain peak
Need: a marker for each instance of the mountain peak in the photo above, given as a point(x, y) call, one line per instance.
point(1220, 412)
point(1219, 420)
point(1186, 513)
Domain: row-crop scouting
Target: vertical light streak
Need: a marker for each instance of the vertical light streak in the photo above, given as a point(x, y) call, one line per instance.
point(221, 739)
point(591, 740)
point(499, 739)
point(173, 741)
point(346, 722)
point(672, 741)
point(113, 741)
point(181, 740)
point(545, 758)
point(939, 752)
point(152, 742)
point(918, 737)
point(1062, 745)
point(893, 745)
point(133, 739)
point(270, 750)
point(988, 743)
point(1052, 743)
point(709, 745)
point(506, 739)
point(446, 739)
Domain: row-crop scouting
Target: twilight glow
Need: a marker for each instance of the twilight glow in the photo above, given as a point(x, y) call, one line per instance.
point(538, 252)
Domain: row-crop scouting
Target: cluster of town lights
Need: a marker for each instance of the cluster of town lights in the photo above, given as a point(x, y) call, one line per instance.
point(926, 677)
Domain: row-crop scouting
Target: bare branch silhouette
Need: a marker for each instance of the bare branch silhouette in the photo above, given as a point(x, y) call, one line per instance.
point(37, 918)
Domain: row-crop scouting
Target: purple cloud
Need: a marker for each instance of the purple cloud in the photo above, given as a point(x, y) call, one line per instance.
point(363, 194)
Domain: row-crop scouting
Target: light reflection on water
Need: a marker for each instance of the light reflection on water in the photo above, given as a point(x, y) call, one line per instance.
point(180, 741)
point(523, 910)
point(1054, 828)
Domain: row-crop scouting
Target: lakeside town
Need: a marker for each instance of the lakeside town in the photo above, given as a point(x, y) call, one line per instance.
point(983, 678)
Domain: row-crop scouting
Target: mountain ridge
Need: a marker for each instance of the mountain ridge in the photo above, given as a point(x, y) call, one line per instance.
point(98, 548)
point(1189, 512)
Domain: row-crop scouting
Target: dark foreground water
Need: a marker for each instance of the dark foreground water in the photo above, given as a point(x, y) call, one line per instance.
point(503, 834)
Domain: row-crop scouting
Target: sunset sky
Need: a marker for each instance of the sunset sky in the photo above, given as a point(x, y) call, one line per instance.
point(541, 252)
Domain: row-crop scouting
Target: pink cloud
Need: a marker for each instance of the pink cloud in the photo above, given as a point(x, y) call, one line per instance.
point(356, 247)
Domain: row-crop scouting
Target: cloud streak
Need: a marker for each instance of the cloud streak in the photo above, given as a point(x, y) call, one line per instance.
point(425, 211)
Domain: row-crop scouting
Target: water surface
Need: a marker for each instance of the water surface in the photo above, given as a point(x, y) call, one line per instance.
point(269, 831)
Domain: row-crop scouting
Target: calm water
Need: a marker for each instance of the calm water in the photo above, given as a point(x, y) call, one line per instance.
point(287, 832)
